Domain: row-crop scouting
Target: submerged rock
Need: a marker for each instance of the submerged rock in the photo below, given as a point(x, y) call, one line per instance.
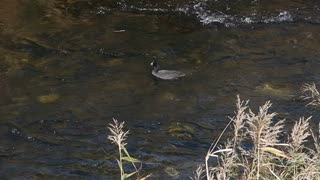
point(171, 171)
point(180, 130)
point(273, 90)
point(116, 62)
point(49, 98)
point(168, 96)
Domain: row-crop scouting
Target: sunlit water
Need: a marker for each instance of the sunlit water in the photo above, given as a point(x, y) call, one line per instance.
point(68, 69)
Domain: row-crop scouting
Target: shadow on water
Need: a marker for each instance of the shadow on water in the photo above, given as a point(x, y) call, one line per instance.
point(68, 67)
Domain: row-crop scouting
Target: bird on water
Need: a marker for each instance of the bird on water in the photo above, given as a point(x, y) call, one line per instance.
point(165, 74)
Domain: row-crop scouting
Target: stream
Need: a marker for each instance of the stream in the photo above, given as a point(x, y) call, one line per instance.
point(68, 67)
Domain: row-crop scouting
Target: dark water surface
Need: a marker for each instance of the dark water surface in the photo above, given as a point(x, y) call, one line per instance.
point(68, 67)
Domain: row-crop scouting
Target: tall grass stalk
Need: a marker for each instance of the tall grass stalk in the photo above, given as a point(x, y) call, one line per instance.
point(118, 136)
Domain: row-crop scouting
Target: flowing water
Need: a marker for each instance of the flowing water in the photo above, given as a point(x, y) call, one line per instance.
point(68, 67)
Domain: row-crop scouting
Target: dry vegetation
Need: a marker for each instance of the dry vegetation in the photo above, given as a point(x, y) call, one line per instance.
point(272, 152)
point(269, 156)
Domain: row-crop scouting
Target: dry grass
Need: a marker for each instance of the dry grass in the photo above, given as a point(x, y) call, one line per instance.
point(259, 149)
point(118, 137)
point(310, 93)
point(268, 157)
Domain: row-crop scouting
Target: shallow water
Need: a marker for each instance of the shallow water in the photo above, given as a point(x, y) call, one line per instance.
point(68, 69)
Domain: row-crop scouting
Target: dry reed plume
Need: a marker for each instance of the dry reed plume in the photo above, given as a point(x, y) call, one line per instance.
point(118, 137)
point(269, 156)
point(259, 149)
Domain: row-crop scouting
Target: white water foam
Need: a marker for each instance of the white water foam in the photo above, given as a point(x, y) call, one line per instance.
point(283, 16)
point(207, 16)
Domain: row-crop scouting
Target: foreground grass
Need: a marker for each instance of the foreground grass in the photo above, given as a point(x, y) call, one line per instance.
point(273, 153)
point(118, 137)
